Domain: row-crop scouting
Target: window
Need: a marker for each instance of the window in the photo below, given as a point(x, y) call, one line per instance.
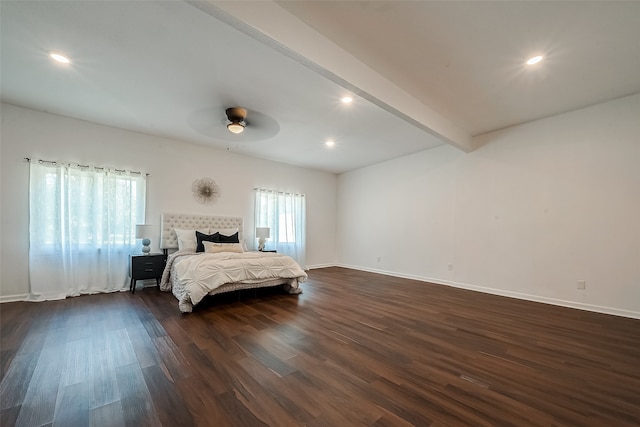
point(81, 228)
point(284, 214)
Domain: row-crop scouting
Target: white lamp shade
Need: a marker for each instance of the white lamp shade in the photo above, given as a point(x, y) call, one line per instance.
point(144, 231)
point(263, 232)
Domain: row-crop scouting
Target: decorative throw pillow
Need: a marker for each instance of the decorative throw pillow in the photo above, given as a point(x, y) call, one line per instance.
point(229, 239)
point(225, 231)
point(201, 238)
point(214, 248)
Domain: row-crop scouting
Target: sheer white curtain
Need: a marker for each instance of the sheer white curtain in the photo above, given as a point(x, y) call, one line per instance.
point(81, 228)
point(284, 214)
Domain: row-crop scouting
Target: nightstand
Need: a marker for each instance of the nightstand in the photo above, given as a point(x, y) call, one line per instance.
point(272, 251)
point(145, 267)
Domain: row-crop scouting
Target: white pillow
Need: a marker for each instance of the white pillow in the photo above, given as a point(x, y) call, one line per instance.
point(187, 238)
point(215, 248)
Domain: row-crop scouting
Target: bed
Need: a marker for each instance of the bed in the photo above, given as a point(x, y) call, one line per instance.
point(215, 260)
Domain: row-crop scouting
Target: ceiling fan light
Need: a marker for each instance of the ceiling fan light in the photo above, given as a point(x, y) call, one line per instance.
point(235, 127)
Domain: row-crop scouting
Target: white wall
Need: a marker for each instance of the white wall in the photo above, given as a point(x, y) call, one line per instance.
point(172, 165)
point(533, 210)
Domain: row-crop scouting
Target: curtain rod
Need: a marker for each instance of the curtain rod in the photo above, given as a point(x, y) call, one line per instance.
point(277, 192)
point(52, 162)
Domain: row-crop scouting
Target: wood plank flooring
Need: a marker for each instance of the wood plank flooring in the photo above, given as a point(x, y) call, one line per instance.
point(355, 349)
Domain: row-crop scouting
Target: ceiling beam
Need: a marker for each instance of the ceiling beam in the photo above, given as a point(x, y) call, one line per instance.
point(267, 22)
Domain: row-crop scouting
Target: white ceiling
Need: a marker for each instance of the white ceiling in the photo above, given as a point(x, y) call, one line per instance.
point(423, 73)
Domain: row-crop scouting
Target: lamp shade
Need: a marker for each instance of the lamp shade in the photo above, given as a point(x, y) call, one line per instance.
point(263, 232)
point(144, 231)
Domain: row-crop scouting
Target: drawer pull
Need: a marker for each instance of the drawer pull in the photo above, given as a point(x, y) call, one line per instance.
point(148, 269)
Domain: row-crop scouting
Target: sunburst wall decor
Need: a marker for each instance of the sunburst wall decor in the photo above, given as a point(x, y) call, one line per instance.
point(205, 191)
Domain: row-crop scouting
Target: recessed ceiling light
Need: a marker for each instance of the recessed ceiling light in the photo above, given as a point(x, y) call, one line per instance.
point(534, 60)
point(347, 100)
point(59, 57)
point(330, 143)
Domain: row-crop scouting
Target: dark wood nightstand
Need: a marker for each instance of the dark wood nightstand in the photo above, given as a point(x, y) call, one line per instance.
point(145, 267)
point(270, 250)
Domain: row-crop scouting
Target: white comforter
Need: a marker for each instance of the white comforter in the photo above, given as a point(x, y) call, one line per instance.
point(199, 274)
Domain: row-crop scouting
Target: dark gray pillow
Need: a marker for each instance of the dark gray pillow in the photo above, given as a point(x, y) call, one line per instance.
point(201, 237)
point(228, 239)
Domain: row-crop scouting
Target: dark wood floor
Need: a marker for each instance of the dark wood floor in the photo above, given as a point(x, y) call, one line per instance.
point(355, 349)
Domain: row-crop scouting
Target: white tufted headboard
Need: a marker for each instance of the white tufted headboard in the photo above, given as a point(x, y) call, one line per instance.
point(168, 238)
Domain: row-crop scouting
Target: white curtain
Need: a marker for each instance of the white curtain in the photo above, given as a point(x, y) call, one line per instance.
point(284, 214)
point(81, 228)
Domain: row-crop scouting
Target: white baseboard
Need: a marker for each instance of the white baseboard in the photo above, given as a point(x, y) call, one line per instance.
point(528, 297)
point(311, 267)
point(13, 298)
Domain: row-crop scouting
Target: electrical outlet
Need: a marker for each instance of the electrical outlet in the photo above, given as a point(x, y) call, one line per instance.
point(582, 284)
point(450, 267)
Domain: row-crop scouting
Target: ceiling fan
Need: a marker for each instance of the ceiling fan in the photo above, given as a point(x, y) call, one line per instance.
point(236, 117)
point(239, 124)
